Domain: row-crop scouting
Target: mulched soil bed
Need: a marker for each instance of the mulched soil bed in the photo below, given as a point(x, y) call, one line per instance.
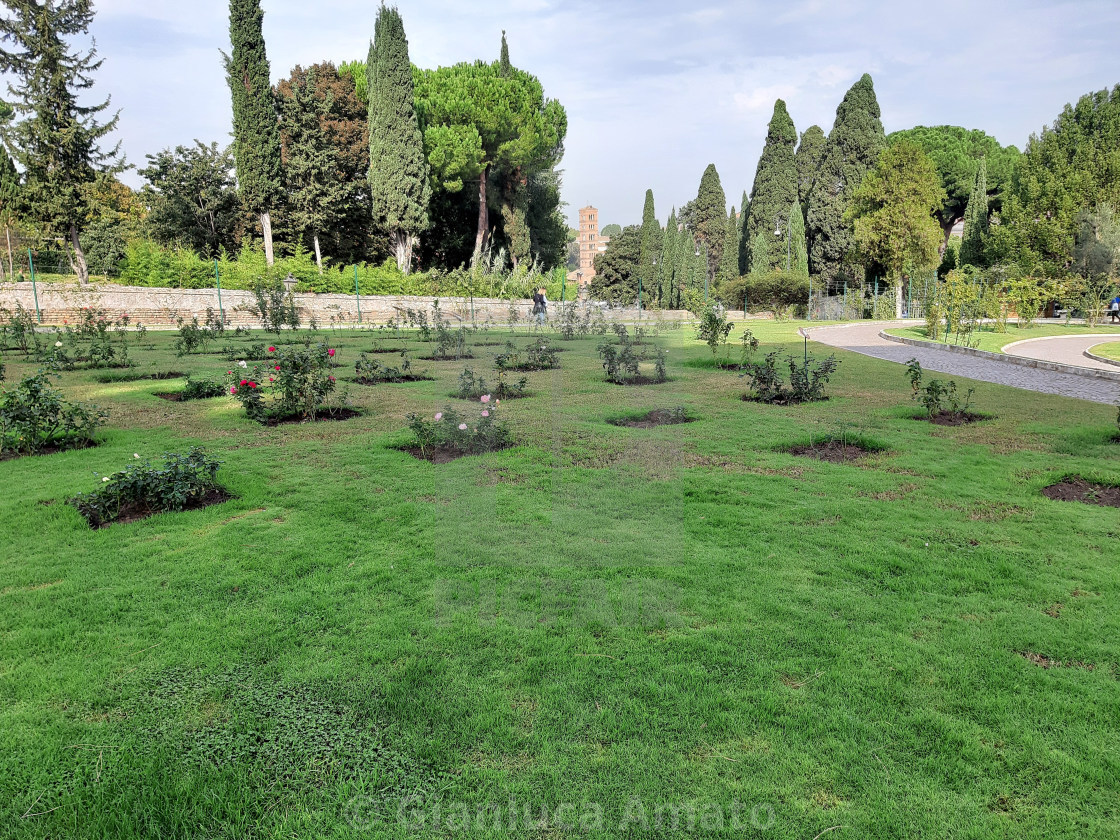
point(337, 414)
point(10, 455)
point(445, 358)
point(751, 399)
point(440, 454)
point(1079, 490)
point(506, 397)
point(177, 396)
point(954, 418)
point(488, 344)
point(657, 417)
point(832, 450)
point(135, 512)
point(412, 378)
point(377, 351)
point(640, 380)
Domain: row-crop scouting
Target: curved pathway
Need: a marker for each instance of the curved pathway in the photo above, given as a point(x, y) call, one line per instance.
point(1066, 349)
point(864, 338)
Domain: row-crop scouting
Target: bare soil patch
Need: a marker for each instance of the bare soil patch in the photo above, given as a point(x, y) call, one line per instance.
point(835, 451)
point(411, 377)
point(1043, 661)
point(1077, 489)
point(652, 419)
point(12, 455)
point(325, 416)
point(134, 512)
point(440, 454)
point(954, 418)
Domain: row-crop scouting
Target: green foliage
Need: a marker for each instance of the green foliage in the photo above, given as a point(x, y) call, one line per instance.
point(775, 189)
point(714, 327)
point(370, 371)
point(18, 328)
point(295, 383)
point(852, 149)
point(798, 253)
point(937, 397)
point(144, 489)
point(398, 169)
point(976, 219)
point(729, 260)
point(777, 291)
point(611, 231)
point(275, 306)
point(464, 434)
point(34, 416)
point(56, 140)
point(194, 336)
point(709, 218)
point(808, 161)
point(649, 251)
point(892, 211)
point(622, 362)
point(192, 196)
point(956, 153)
point(616, 268)
point(471, 387)
point(201, 389)
point(256, 130)
point(807, 379)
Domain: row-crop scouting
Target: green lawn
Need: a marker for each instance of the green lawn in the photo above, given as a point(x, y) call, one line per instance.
point(995, 342)
point(614, 620)
point(1109, 350)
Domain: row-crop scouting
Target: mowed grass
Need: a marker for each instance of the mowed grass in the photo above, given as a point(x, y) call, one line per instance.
point(614, 625)
point(1109, 350)
point(994, 342)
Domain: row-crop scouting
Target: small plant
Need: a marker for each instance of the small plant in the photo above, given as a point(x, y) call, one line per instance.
point(298, 380)
point(539, 355)
point(937, 397)
point(461, 434)
point(714, 327)
point(258, 351)
point(471, 387)
point(450, 344)
point(34, 416)
point(201, 389)
point(807, 379)
point(192, 336)
point(141, 490)
point(622, 362)
point(370, 371)
point(275, 307)
point(19, 328)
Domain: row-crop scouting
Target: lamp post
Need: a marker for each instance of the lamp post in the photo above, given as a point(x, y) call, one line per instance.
point(778, 233)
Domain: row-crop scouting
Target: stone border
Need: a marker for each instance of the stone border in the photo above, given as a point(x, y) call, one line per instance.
point(1021, 361)
point(1103, 359)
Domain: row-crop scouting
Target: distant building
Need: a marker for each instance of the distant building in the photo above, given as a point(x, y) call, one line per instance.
point(591, 243)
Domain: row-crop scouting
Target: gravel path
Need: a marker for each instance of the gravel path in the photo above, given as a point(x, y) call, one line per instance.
point(1066, 350)
point(864, 338)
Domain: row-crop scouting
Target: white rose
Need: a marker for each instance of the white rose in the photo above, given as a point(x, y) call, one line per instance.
point(58, 344)
point(242, 364)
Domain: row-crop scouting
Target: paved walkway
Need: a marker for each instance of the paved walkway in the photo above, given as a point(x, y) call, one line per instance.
point(1066, 350)
point(864, 338)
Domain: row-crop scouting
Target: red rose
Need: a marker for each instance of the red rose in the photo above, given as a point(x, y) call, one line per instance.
point(252, 384)
point(271, 349)
point(330, 352)
point(244, 382)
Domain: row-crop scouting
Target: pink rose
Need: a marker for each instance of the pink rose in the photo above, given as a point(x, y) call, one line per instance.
point(439, 416)
point(486, 398)
point(330, 353)
point(486, 414)
point(232, 390)
point(462, 427)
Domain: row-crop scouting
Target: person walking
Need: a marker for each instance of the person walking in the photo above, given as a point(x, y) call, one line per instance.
point(540, 306)
point(1114, 310)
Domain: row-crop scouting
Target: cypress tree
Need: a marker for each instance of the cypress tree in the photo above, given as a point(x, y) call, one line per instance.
point(852, 149)
point(505, 68)
point(256, 130)
point(799, 252)
point(398, 169)
point(650, 252)
point(775, 183)
point(808, 160)
point(760, 253)
point(729, 259)
point(710, 220)
point(57, 140)
point(9, 201)
point(976, 218)
point(666, 266)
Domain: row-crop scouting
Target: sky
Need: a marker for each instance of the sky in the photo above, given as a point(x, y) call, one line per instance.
point(654, 91)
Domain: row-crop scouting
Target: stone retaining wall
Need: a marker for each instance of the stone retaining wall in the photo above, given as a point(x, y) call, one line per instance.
point(152, 307)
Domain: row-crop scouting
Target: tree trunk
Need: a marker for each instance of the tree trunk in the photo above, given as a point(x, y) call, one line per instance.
point(898, 285)
point(80, 264)
point(11, 268)
point(266, 228)
point(483, 218)
point(318, 254)
point(402, 250)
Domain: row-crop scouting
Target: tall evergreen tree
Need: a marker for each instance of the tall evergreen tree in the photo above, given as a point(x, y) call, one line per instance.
point(976, 219)
point(666, 266)
point(504, 67)
point(799, 252)
point(57, 141)
point(317, 196)
point(760, 253)
point(852, 149)
point(775, 182)
point(256, 130)
point(710, 218)
point(9, 203)
point(808, 159)
point(650, 247)
point(729, 259)
point(398, 169)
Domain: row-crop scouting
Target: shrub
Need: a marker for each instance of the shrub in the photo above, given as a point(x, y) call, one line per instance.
point(256, 352)
point(539, 354)
point(622, 362)
point(714, 327)
point(936, 397)
point(807, 379)
point(201, 389)
point(142, 489)
point(298, 380)
point(275, 307)
point(19, 328)
point(192, 336)
point(34, 416)
point(777, 291)
point(465, 435)
point(472, 387)
point(370, 370)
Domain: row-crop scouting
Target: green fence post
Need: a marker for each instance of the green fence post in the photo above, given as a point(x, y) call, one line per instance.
point(34, 288)
point(218, 280)
point(357, 294)
point(639, 298)
point(809, 309)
